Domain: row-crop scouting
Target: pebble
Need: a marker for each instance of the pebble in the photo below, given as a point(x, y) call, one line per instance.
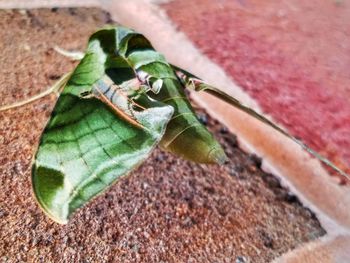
point(223, 130)
point(241, 259)
point(203, 119)
point(255, 159)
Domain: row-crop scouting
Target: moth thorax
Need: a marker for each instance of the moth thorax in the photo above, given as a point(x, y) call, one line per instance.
point(153, 83)
point(106, 89)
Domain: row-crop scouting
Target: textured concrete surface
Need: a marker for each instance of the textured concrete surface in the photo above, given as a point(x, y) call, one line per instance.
point(153, 21)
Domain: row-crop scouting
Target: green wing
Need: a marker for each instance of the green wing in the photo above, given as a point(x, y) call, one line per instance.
point(86, 146)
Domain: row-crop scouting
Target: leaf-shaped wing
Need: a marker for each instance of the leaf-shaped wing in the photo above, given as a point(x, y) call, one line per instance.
point(94, 135)
point(85, 148)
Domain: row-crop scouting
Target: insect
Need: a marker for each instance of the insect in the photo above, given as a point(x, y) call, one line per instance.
point(121, 101)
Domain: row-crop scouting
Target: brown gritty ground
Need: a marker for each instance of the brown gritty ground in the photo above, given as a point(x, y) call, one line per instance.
point(168, 210)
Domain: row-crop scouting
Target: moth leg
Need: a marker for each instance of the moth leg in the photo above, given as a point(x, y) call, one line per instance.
point(133, 102)
point(74, 55)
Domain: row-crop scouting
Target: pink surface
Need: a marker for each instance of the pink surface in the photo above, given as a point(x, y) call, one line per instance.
point(293, 58)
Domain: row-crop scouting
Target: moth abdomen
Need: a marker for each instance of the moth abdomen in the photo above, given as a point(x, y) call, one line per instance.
point(116, 98)
point(195, 143)
point(185, 135)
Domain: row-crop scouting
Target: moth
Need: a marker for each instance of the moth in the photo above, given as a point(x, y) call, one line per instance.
point(120, 102)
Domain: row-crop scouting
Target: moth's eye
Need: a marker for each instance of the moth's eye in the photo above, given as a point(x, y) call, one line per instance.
point(142, 76)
